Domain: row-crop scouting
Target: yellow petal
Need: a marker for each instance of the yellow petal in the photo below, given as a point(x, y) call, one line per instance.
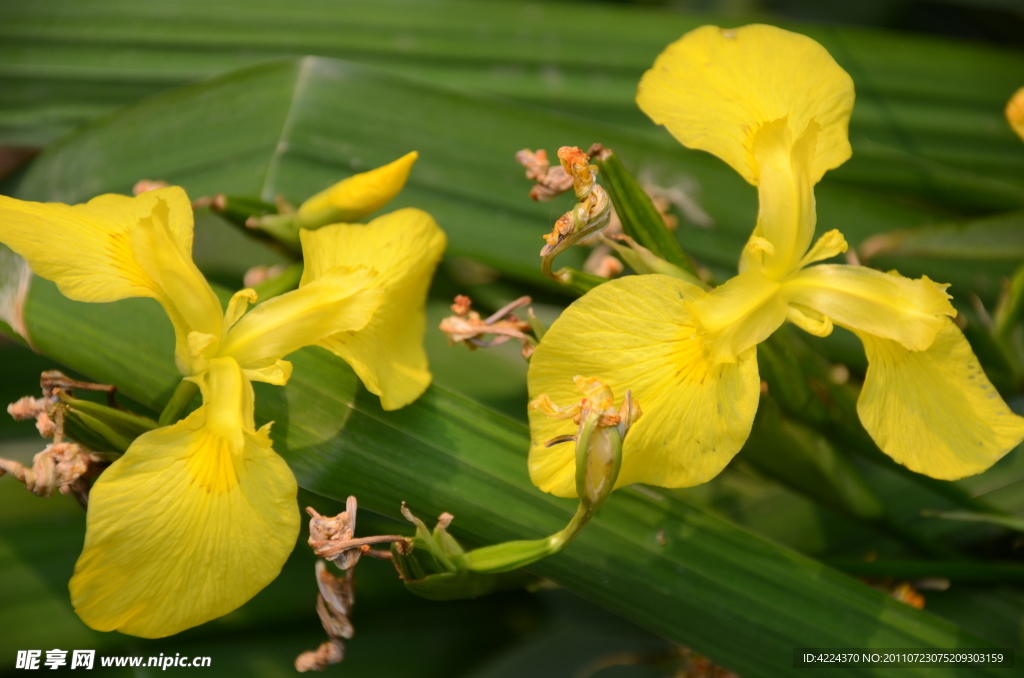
point(935, 411)
point(404, 247)
point(635, 333)
point(343, 299)
point(828, 245)
point(885, 305)
point(809, 321)
point(190, 523)
point(277, 373)
point(713, 89)
point(1015, 112)
point(359, 195)
point(238, 305)
point(738, 315)
point(114, 247)
point(785, 215)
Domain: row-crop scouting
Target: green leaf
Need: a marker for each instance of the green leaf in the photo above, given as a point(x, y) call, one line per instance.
point(1009, 522)
point(295, 127)
point(806, 460)
point(928, 118)
point(998, 238)
point(640, 218)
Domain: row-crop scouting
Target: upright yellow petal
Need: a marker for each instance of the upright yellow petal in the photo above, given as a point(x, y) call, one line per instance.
point(361, 194)
point(193, 521)
point(635, 333)
point(935, 411)
point(785, 214)
point(404, 248)
point(342, 300)
point(115, 247)
point(885, 305)
point(715, 88)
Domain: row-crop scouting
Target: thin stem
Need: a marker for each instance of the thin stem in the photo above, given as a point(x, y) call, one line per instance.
point(180, 400)
point(584, 512)
point(1008, 313)
point(285, 281)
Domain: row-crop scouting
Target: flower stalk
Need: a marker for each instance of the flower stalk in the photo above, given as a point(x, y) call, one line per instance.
point(598, 440)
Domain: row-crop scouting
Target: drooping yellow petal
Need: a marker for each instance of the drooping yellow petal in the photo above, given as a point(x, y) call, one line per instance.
point(935, 411)
point(739, 314)
point(635, 333)
point(362, 194)
point(115, 247)
point(342, 300)
point(714, 88)
point(193, 521)
point(885, 305)
point(404, 248)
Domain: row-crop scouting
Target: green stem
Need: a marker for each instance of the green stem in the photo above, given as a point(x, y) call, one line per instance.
point(280, 227)
point(1005, 320)
point(513, 555)
point(598, 458)
point(576, 280)
point(180, 400)
point(1009, 312)
point(560, 539)
point(286, 281)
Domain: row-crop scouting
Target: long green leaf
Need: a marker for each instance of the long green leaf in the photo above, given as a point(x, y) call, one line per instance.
point(295, 127)
point(928, 117)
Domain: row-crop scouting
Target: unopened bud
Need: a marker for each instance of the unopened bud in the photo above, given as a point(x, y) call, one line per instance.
point(600, 431)
point(357, 196)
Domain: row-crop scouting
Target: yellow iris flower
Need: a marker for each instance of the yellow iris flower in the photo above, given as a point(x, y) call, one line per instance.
point(1015, 112)
point(197, 517)
point(774, 106)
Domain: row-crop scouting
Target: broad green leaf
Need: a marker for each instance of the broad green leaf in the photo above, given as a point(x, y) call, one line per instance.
point(295, 127)
point(928, 117)
point(806, 460)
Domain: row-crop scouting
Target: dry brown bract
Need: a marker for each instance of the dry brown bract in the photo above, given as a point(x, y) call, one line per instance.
point(468, 328)
point(551, 181)
point(333, 539)
point(68, 467)
point(65, 466)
